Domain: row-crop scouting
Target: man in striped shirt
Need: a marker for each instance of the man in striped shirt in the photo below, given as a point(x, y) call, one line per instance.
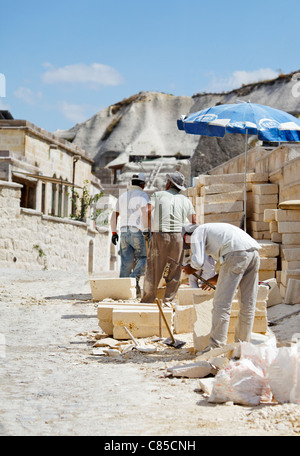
point(168, 210)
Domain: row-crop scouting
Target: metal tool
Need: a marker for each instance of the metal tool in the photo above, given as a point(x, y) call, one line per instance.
point(170, 340)
point(200, 278)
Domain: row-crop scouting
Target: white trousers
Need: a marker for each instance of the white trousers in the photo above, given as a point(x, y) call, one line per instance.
point(238, 269)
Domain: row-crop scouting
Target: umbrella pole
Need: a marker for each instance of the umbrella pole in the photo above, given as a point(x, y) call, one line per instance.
point(245, 182)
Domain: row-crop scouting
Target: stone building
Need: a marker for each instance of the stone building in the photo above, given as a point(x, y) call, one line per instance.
point(38, 175)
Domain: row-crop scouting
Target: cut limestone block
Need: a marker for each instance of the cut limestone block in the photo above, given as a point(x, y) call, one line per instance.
point(268, 264)
point(189, 296)
point(293, 205)
point(292, 295)
point(274, 296)
point(276, 237)
point(266, 275)
point(291, 238)
point(265, 189)
point(114, 288)
point(260, 324)
point(291, 274)
point(259, 226)
point(287, 215)
point(193, 370)
point(202, 326)
point(268, 249)
point(288, 227)
point(261, 235)
point(291, 254)
point(214, 208)
point(265, 199)
point(230, 217)
point(204, 179)
point(141, 322)
point(269, 215)
point(105, 313)
point(184, 319)
point(260, 208)
point(221, 188)
point(286, 265)
point(224, 197)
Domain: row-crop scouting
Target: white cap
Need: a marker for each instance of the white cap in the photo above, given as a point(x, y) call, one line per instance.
point(140, 177)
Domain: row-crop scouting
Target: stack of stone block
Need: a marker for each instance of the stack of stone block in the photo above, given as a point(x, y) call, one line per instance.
point(119, 308)
point(269, 257)
point(264, 196)
point(260, 325)
point(143, 320)
point(287, 218)
point(193, 313)
point(218, 198)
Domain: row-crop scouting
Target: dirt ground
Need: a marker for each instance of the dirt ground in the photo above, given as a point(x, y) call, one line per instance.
point(53, 385)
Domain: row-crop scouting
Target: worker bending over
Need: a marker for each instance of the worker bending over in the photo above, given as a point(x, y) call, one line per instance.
point(238, 256)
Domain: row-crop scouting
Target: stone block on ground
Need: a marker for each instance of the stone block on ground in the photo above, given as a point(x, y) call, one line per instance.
point(114, 288)
point(184, 319)
point(105, 313)
point(141, 322)
point(292, 295)
point(199, 369)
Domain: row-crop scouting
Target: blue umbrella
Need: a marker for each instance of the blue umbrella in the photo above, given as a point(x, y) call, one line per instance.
point(245, 118)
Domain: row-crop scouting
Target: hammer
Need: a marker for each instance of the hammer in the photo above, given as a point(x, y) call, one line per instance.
point(167, 268)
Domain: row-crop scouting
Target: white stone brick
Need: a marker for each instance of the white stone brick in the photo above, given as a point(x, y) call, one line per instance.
point(289, 274)
point(268, 249)
point(265, 199)
point(290, 254)
point(114, 288)
point(289, 227)
point(291, 238)
point(141, 323)
point(282, 215)
point(268, 264)
point(265, 189)
point(292, 295)
point(269, 215)
point(214, 208)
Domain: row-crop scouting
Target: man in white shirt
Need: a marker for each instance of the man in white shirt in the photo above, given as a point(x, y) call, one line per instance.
point(132, 242)
point(238, 256)
point(170, 210)
point(207, 272)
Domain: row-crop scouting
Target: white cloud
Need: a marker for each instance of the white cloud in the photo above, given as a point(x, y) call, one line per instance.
point(95, 73)
point(27, 95)
point(240, 77)
point(75, 113)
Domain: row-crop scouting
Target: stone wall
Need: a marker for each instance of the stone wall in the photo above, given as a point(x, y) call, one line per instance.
point(31, 240)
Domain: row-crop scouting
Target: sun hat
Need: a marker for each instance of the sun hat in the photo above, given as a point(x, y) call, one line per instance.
point(177, 179)
point(139, 176)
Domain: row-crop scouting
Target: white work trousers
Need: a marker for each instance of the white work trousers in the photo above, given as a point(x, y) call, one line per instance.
point(238, 269)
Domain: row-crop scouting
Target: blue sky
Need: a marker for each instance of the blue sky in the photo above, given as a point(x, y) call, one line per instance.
point(65, 60)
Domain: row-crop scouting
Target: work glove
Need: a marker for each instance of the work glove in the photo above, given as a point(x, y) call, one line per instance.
point(114, 238)
point(147, 234)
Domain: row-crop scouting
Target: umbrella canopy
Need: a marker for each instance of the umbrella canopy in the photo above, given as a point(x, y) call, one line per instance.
point(267, 123)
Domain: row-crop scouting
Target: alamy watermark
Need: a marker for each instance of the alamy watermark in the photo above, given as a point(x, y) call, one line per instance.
point(2, 86)
point(296, 86)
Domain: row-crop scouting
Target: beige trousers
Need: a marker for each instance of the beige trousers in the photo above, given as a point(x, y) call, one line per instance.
point(239, 269)
point(163, 247)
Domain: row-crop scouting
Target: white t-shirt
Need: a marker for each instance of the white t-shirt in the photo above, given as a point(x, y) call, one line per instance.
point(129, 206)
point(217, 239)
point(171, 210)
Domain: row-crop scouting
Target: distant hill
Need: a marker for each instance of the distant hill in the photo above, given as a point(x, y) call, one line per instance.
point(144, 125)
